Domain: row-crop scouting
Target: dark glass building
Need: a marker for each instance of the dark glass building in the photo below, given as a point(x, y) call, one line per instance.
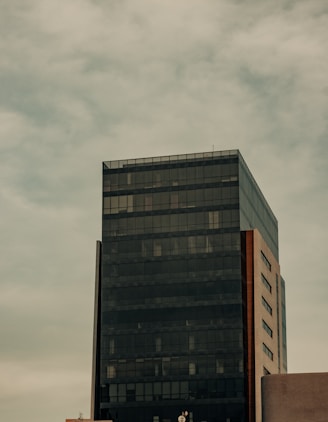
point(190, 308)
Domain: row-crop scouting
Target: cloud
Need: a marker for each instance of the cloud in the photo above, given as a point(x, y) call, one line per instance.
point(97, 80)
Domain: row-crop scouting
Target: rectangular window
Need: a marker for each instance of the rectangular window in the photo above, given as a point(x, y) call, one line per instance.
point(191, 342)
point(213, 219)
point(265, 260)
point(113, 392)
point(166, 390)
point(174, 200)
point(130, 392)
point(157, 179)
point(266, 283)
point(122, 393)
point(148, 391)
point(157, 248)
point(166, 366)
point(107, 204)
point(148, 203)
point(156, 369)
point(192, 244)
point(266, 306)
point(192, 368)
point(267, 351)
point(219, 366)
point(106, 185)
point(111, 346)
point(125, 203)
point(266, 328)
point(111, 371)
point(158, 344)
point(139, 392)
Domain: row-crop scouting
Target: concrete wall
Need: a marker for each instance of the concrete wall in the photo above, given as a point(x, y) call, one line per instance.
point(295, 398)
point(259, 362)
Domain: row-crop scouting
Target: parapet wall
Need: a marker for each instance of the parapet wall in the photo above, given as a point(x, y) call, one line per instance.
point(295, 398)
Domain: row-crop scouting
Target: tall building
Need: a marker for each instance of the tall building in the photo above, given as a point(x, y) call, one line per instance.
point(190, 304)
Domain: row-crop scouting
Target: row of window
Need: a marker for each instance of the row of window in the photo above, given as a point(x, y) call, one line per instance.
point(170, 177)
point(170, 200)
point(172, 366)
point(172, 266)
point(173, 323)
point(167, 246)
point(169, 342)
point(174, 390)
point(205, 220)
point(171, 293)
point(228, 313)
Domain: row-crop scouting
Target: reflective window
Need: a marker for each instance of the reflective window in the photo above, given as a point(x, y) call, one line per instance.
point(266, 306)
point(266, 283)
point(267, 351)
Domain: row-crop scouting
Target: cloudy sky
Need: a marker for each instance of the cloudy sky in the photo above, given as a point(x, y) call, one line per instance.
point(84, 81)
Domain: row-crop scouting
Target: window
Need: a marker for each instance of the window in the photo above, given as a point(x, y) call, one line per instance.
point(191, 342)
point(139, 392)
point(265, 371)
point(213, 219)
point(122, 393)
point(148, 203)
point(174, 200)
point(267, 351)
point(192, 244)
point(111, 371)
point(156, 369)
point(107, 204)
point(157, 248)
point(219, 366)
point(111, 346)
point(265, 260)
point(113, 392)
point(192, 368)
point(126, 203)
point(266, 283)
point(106, 185)
point(130, 392)
point(266, 328)
point(266, 306)
point(158, 344)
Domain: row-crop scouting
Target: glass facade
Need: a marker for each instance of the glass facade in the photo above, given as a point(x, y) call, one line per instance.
point(171, 310)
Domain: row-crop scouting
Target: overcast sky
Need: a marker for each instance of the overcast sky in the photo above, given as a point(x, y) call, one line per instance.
point(84, 81)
